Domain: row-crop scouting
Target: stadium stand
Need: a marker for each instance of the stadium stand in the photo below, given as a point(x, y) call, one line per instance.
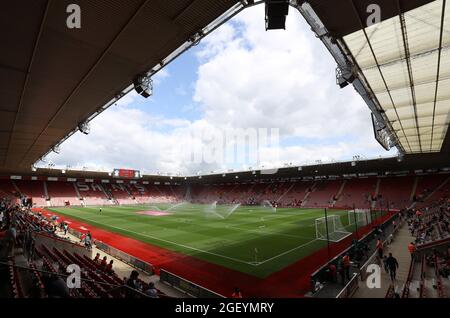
point(398, 192)
point(428, 223)
point(119, 193)
point(92, 194)
point(62, 193)
point(358, 192)
point(34, 259)
point(34, 190)
point(427, 186)
point(323, 193)
point(429, 268)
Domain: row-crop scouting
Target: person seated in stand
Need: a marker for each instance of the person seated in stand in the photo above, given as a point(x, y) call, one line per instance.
point(109, 268)
point(97, 258)
point(103, 263)
point(133, 283)
point(152, 292)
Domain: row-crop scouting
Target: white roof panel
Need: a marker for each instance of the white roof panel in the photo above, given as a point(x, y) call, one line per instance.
point(400, 58)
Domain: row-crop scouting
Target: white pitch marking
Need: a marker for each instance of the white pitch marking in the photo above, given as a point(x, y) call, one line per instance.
point(287, 252)
point(177, 244)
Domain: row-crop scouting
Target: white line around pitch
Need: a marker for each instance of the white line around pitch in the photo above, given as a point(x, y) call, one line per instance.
point(177, 244)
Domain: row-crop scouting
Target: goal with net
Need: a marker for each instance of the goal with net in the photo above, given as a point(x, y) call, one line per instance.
point(336, 231)
point(362, 217)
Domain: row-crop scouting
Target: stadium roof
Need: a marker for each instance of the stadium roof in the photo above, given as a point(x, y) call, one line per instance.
point(410, 164)
point(53, 78)
point(406, 61)
point(403, 62)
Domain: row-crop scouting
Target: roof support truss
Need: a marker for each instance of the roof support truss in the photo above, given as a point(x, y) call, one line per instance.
point(344, 61)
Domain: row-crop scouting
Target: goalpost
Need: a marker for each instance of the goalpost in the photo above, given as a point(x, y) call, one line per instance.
point(363, 217)
point(336, 231)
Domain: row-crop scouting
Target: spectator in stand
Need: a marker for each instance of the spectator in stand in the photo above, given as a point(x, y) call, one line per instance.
point(236, 293)
point(97, 258)
point(392, 265)
point(379, 248)
point(66, 228)
point(133, 283)
point(379, 231)
point(390, 239)
point(346, 267)
point(412, 249)
point(103, 263)
point(152, 292)
point(82, 237)
point(88, 241)
point(318, 286)
point(10, 239)
point(109, 267)
point(333, 272)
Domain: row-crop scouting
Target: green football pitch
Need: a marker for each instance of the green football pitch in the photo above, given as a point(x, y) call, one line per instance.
point(254, 240)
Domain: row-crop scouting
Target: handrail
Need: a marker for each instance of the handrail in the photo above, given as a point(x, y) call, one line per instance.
point(190, 282)
point(349, 288)
point(405, 293)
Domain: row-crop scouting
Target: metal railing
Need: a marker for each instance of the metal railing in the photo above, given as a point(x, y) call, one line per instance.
point(350, 288)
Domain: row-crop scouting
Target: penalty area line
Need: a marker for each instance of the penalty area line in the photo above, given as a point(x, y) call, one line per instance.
point(284, 253)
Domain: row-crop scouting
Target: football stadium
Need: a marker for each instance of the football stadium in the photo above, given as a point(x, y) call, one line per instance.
point(86, 210)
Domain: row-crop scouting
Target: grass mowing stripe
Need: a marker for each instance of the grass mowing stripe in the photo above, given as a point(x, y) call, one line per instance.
point(174, 243)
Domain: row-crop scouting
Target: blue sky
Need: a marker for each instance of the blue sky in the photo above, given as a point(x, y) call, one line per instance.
point(239, 77)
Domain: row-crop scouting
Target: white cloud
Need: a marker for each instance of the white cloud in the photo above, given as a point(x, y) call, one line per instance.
point(276, 79)
point(248, 78)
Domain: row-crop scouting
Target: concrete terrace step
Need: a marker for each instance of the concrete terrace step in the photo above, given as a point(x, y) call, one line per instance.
point(399, 250)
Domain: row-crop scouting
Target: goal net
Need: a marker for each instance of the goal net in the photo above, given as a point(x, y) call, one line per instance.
point(336, 231)
point(362, 217)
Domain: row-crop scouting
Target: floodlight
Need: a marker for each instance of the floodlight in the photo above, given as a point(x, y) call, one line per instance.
point(84, 127)
point(143, 85)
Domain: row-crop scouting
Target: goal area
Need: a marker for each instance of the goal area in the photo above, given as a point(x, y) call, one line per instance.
point(336, 231)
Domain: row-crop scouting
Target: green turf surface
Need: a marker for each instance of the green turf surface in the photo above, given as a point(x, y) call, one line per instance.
point(253, 240)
